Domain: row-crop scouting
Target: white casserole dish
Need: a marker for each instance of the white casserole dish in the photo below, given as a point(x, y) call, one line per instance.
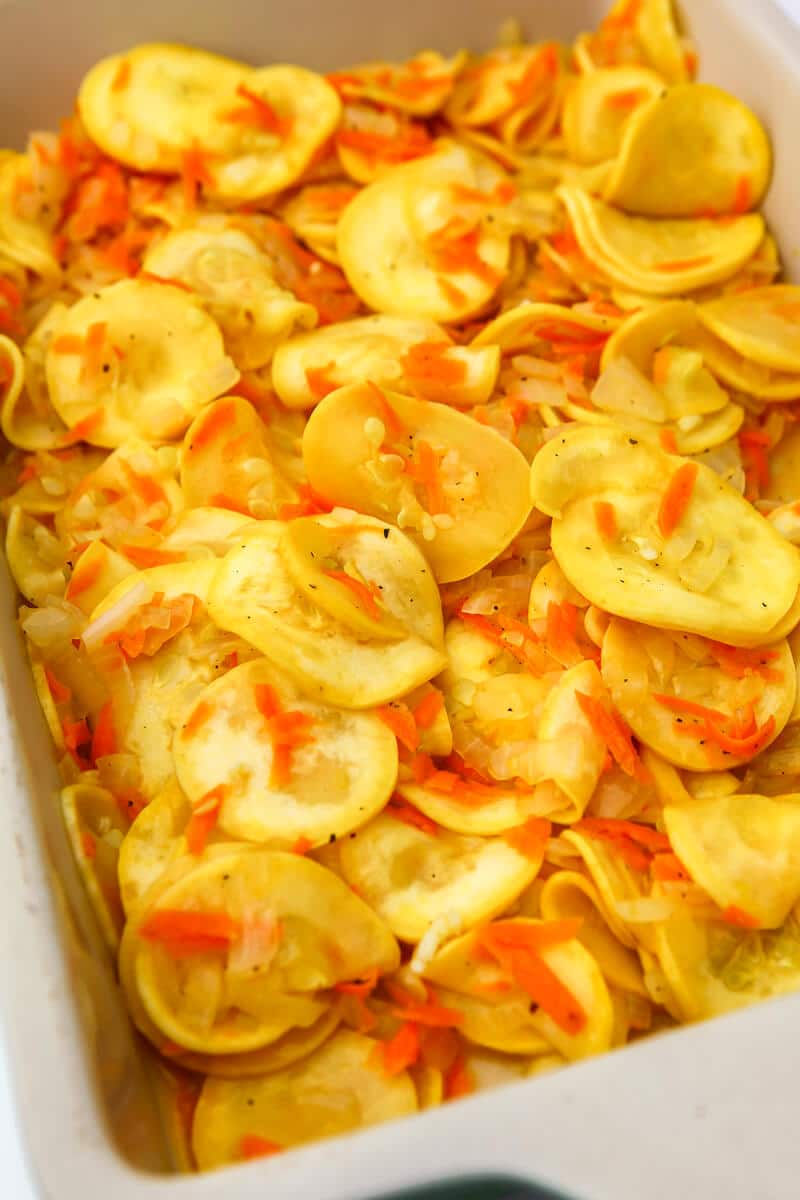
point(704, 1112)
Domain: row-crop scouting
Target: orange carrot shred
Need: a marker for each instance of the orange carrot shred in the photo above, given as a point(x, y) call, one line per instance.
point(428, 709)
point(609, 726)
point(668, 867)
point(82, 429)
point(122, 76)
point(402, 1050)
point(58, 690)
point(319, 382)
point(684, 264)
point(401, 810)
point(733, 915)
point(259, 112)
point(88, 844)
point(424, 470)
point(104, 739)
point(400, 720)
point(530, 839)
point(253, 1146)
point(365, 594)
point(288, 731)
point(195, 174)
point(667, 441)
point(742, 196)
point(605, 518)
point(184, 932)
point(302, 845)
point(198, 718)
point(458, 1080)
point(676, 498)
point(83, 577)
point(392, 423)
point(151, 556)
point(205, 813)
point(218, 417)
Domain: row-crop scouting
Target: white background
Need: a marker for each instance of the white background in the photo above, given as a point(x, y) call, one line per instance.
point(14, 1176)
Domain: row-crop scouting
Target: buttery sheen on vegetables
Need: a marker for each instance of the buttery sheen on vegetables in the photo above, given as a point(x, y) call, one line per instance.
point(402, 483)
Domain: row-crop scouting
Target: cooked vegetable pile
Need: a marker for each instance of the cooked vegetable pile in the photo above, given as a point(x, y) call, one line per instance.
point(402, 481)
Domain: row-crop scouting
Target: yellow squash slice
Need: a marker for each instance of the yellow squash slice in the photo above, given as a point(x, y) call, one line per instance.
point(462, 967)
point(96, 827)
point(135, 359)
point(290, 930)
point(412, 878)
point(744, 851)
point(25, 238)
point(695, 586)
point(257, 130)
point(233, 278)
point(341, 1087)
point(679, 693)
point(693, 150)
point(456, 487)
point(337, 773)
point(761, 324)
point(598, 107)
point(381, 349)
point(400, 251)
point(256, 596)
point(228, 462)
point(660, 257)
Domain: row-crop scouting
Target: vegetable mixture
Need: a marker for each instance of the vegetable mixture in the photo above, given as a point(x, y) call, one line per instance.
point(402, 481)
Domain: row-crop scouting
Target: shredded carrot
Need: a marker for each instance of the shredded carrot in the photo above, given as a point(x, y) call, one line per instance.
point(288, 731)
point(76, 734)
point(147, 489)
point(742, 196)
point(184, 932)
point(203, 820)
point(669, 868)
point(402, 1050)
point(530, 839)
point(319, 381)
point(104, 738)
point(122, 76)
point(253, 1145)
point(742, 747)
point(754, 444)
point(733, 915)
point(517, 948)
point(259, 112)
point(67, 343)
point(626, 100)
point(151, 556)
point(366, 594)
point(400, 720)
point(540, 71)
point(452, 294)
point(361, 990)
point(676, 498)
point(455, 252)
point(392, 423)
point(177, 283)
point(428, 709)
point(217, 418)
point(401, 810)
point(667, 441)
point(82, 429)
point(302, 845)
point(679, 705)
point(605, 518)
point(684, 264)
point(560, 631)
point(458, 1080)
point(84, 576)
point(424, 470)
point(130, 803)
point(57, 689)
point(431, 374)
point(740, 662)
point(195, 173)
point(88, 844)
point(309, 504)
point(430, 1013)
point(410, 140)
point(610, 727)
point(223, 500)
